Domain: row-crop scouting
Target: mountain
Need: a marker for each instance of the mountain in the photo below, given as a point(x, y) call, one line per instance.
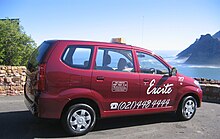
point(217, 35)
point(204, 51)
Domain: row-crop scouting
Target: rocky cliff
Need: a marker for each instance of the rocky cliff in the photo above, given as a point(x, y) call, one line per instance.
point(204, 51)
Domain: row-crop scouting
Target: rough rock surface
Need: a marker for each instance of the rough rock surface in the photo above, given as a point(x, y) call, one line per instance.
point(12, 80)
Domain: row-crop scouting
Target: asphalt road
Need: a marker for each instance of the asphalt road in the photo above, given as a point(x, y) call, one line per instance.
point(17, 122)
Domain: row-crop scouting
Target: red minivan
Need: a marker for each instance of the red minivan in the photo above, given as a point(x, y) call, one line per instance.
point(80, 81)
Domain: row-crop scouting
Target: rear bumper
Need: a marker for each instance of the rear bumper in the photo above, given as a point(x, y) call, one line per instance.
point(51, 106)
point(46, 106)
point(32, 108)
point(32, 105)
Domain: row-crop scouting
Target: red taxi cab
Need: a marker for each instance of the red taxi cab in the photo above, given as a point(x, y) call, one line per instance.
point(80, 81)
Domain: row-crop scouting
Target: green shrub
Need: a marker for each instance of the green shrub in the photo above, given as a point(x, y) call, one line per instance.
point(15, 46)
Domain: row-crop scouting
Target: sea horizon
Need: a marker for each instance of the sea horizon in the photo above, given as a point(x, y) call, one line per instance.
point(194, 71)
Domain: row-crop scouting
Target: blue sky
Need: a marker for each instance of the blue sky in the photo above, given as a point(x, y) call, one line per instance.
point(152, 24)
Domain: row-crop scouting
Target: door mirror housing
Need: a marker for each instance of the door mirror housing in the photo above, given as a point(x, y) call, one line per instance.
point(173, 71)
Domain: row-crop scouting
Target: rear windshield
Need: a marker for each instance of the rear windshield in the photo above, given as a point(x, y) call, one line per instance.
point(39, 54)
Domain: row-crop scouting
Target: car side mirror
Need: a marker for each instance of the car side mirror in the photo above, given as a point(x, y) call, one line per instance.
point(173, 71)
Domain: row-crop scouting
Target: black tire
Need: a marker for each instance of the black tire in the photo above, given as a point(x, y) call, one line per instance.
point(187, 108)
point(79, 119)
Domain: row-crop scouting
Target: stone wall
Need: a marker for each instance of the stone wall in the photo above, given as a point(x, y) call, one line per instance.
point(12, 80)
point(211, 89)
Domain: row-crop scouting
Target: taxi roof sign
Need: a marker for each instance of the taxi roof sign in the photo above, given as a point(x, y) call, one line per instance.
point(118, 40)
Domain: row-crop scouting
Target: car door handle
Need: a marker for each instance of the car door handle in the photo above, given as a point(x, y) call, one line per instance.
point(146, 80)
point(100, 78)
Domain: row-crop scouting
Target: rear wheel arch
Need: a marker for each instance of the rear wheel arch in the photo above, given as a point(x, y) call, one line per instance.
point(87, 101)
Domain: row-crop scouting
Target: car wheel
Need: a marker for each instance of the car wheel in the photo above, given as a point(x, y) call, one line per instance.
point(79, 119)
point(187, 108)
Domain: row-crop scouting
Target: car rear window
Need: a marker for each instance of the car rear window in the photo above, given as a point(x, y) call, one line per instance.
point(39, 54)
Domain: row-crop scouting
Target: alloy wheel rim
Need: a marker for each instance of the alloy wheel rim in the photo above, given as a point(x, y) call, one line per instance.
point(189, 109)
point(80, 120)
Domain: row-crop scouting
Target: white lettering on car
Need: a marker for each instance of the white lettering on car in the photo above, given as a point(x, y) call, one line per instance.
point(181, 79)
point(166, 89)
point(130, 105)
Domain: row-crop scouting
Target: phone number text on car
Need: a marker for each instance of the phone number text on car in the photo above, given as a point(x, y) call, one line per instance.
point(130, 105)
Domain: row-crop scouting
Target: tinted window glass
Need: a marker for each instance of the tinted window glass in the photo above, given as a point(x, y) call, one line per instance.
point(39, 54)
point(99, 58)
point(78, 56)
point(151, 65)
point(114, 60)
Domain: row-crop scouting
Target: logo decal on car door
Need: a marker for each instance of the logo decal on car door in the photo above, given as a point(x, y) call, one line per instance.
point(119, 86)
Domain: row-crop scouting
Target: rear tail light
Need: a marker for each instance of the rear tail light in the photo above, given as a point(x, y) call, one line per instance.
point(41, 77)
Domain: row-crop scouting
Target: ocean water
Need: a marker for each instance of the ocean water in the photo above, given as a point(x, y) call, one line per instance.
point(209, 72)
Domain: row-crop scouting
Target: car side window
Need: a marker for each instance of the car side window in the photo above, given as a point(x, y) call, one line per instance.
point(150, 65)
point(114, 60)
point(78, 56)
